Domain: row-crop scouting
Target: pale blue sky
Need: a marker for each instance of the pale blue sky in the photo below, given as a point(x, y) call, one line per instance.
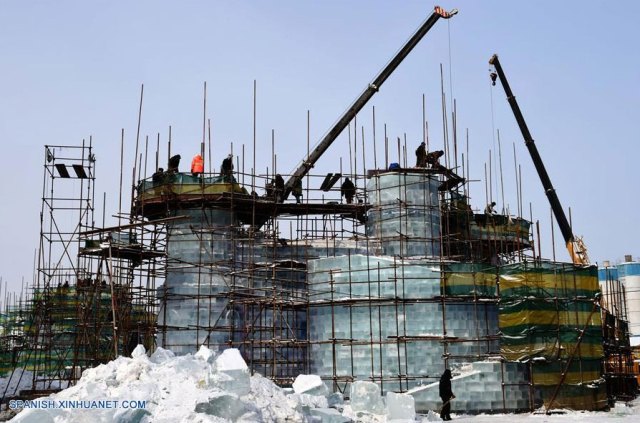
point(71, 69)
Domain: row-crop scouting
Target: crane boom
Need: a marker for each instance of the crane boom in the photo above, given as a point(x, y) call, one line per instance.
point(576, 247)
point(371, 89)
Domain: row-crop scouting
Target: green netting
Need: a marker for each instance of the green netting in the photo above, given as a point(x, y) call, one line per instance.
point(51, 340)
point(589, 396)
point(548, 280)
point(469, 279)
point(545, 308)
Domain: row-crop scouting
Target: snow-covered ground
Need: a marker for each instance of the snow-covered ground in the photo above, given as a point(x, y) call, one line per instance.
point(211, 387)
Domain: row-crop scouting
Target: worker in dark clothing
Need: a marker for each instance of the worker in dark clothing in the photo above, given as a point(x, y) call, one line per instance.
point(174, 162)
point(433, 158)
point(446, 395)
point(268, 189)
point(297, 190)
point(348, 190)
point(156, 178)
point(226, 170)
point(490, 210)
point(279, 187)
point(421, 155)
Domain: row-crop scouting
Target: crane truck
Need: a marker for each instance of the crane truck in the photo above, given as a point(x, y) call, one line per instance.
point(575, 245)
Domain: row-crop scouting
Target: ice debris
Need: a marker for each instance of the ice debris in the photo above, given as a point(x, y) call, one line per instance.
point(211, 387)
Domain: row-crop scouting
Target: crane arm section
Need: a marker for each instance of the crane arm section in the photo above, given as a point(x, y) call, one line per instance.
point(575, 246)
point(371, 89)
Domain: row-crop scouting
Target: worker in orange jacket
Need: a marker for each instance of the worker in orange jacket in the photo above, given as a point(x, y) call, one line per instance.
point(197, 165)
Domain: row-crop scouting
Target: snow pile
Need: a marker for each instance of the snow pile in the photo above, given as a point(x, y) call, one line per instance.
point(190, 388)
point(207, 387)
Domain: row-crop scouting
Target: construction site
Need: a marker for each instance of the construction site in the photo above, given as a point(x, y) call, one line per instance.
point(386, 271)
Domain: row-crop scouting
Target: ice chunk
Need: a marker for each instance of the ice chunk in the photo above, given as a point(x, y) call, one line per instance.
point(161, 355)
point(310, 384)
point(432, 417)
point(233, 373)
point(400, 407)
point(204, 354)
point(230, 359)
point(313, 401)
point(335, 400)
point(329, 415)
point(138, 351)
point(365, 396)
point(225, 406)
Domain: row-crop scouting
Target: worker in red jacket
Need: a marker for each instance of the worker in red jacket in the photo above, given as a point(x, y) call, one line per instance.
point(197, 165)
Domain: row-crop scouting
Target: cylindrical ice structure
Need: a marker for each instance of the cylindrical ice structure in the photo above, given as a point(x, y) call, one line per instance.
point(406, 213)
point(199, 250)
point(629, 274)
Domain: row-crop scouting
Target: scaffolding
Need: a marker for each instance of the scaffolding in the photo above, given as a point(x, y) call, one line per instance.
point(94, 294)
point(393, 287)
point(620, 369)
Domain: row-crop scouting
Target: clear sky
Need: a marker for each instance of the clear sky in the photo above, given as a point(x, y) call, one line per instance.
point(73, 69)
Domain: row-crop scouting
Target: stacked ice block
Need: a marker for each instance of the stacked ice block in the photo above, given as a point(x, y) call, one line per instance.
point(406, 213)
point(205, 238)
point(478, 388)
point(349, 306)
point(358, 328)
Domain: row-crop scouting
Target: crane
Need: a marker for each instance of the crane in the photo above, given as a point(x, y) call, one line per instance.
point(575, 245)
point(360, 102)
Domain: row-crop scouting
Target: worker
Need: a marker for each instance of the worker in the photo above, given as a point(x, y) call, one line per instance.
point(348, 190)
point(433, 158)
point(490, 210)
point(297, 190)
point(446, 395)
point(197, 165)
point(174, 162)
point(268, 189)
point(279, 187)
point(157, 181)
point(226, 170)
point(421, 155)
point(156, 178)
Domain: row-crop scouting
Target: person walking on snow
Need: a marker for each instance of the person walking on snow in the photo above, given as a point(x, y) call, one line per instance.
point(446, 395)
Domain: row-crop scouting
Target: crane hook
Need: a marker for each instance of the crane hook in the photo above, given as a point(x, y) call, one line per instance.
point(493, 76)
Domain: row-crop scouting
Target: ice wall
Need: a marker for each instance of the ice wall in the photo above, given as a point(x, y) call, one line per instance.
point(355, 303)
point(478, 388)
